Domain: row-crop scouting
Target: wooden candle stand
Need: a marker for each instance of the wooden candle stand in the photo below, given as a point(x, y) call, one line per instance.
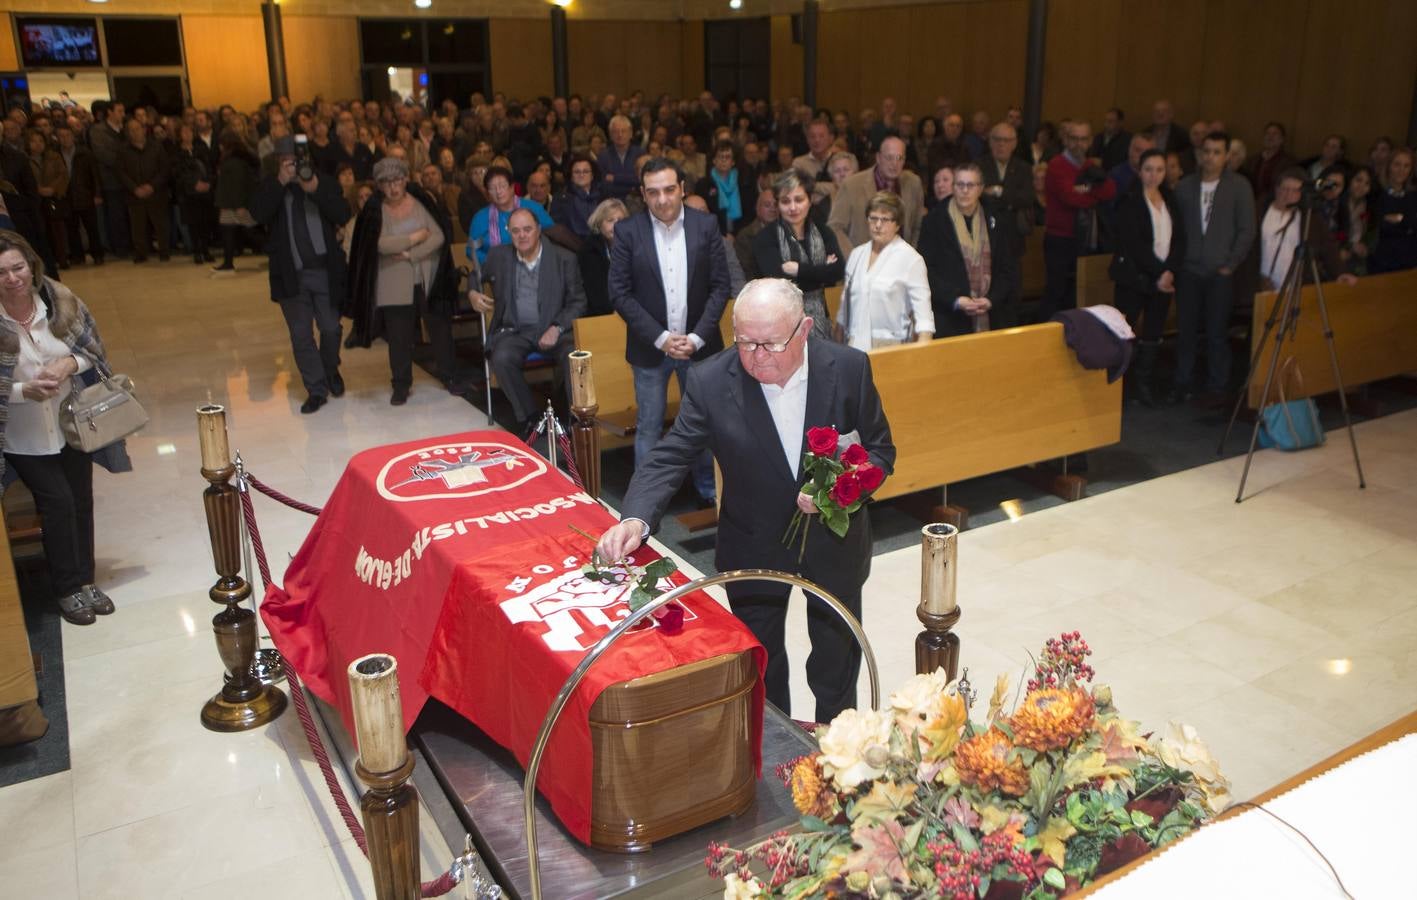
point(244, 702)
point(390, 807)
point(938, 646)
point(585, 433)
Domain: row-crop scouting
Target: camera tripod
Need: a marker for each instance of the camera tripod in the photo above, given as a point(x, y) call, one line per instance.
point(1283, 322)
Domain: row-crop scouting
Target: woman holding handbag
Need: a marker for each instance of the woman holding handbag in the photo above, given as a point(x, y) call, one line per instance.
point(47, 336)
point(1150, 249)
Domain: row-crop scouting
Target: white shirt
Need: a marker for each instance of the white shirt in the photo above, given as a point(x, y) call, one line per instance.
point(1160, 230)
point(671, 245)
point(33, 425)
point(1207, 202)
point(889, 300)
point(788, 406)
point(1276, 249)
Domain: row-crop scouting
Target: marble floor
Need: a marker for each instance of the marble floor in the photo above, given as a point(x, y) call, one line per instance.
point(1282, 628)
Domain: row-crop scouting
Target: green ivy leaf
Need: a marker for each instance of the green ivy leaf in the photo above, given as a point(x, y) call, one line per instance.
point(1054, 878)
point(813, 823)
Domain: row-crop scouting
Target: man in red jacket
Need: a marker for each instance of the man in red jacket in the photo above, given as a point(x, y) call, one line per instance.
point(1073, 187)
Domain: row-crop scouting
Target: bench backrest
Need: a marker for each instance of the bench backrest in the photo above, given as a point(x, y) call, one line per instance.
point(1374, 332)
point(983, 403)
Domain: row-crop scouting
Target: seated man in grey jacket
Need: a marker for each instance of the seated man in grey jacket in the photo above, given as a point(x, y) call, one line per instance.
point(538, 295)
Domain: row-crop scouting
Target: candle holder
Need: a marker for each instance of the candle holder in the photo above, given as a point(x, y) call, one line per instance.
point(585, 434)
point(244, 702)
point(938, 646)
point(390, 807)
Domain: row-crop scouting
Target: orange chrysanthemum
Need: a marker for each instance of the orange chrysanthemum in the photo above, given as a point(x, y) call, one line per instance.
point(1052, 718)
point(811, 793)
point(983, 761)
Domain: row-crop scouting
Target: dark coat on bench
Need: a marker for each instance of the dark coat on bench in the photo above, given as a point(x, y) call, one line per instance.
point(637, 286)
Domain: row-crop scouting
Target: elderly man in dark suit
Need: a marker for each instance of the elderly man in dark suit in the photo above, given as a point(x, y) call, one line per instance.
point(969, 257)
point(752, 407)
point(669, 282)
point(539, 295)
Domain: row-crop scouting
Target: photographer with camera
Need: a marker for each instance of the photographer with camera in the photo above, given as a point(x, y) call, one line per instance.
point(301, 211)
point(1281, 225)
point(1073, 187)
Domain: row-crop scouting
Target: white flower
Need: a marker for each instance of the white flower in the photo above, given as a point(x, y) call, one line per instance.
point(849, 740)
point(918, 700)
point(1181, 748)
point(735, 888)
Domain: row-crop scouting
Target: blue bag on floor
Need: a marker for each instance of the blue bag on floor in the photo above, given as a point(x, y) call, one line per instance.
point(1290, 424)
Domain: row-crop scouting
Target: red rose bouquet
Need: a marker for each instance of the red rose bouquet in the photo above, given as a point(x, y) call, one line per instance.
point(838, 484)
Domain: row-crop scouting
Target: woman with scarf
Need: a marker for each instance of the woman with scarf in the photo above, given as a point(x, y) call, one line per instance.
point(489, 225)
point(886, 300)
point(723, 189)
point(798, 248)
point(400, 271)
point(968, 254)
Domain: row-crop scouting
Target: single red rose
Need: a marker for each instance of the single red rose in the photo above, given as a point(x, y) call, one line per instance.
point(847, 489)
point(855, 455)
point(670, 619)
point(822, 441)
point(870, 477)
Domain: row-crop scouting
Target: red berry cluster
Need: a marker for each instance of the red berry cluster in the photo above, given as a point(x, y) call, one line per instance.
point(778, 853)
point(783, 771)
point(960, 871)
point(1063, 660)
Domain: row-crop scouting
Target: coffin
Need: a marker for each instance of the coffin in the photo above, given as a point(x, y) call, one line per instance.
point(672, 752)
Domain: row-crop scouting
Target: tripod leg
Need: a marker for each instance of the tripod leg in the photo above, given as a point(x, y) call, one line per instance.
point(1288, 297)
point(1337, 375)
point(1250, 376)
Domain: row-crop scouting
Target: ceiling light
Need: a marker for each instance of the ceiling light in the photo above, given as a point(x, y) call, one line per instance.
point(392, 71)
point(422, 4)
point(562, 3)
point(735, 4)
point(1340, 666)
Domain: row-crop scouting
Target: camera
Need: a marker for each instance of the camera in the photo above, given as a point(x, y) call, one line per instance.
point(1312, 192)
point(304, 167)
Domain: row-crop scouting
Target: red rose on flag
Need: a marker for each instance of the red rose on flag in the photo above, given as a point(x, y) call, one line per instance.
point(855, 455)
point(822, 441)
point(847, 489)
point(870, 477)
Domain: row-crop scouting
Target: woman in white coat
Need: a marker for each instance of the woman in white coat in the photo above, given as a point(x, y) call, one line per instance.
point(887, 295)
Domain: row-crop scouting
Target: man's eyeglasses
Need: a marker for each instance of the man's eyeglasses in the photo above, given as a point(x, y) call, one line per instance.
point(880, 220)
point(753, 346)
point(966, 185)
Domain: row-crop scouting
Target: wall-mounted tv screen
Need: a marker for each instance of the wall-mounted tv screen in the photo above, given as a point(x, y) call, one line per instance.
point(58, 42)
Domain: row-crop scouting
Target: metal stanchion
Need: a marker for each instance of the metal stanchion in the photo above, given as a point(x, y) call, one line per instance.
point(269, 665)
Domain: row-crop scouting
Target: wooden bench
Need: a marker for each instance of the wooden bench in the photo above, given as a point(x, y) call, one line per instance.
point(1374, 332)
point(1095, 287)
point(988, 402)
point(22, 523)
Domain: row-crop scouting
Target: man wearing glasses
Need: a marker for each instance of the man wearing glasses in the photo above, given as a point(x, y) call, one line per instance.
point(848, 215)
point(752, 407)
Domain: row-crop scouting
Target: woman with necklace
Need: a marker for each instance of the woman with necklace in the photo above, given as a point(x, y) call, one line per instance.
point(47, 336)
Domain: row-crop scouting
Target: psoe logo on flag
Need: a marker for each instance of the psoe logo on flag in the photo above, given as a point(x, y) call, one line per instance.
point(575, 612)
point(456, 471)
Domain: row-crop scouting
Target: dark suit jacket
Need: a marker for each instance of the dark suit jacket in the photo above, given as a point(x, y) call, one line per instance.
point(724, 410)
point(944, 263)
point(560, 296)
point(1135, 236)
point(594, 258)
point(637, 287)
point(83, 179)
point(768, 261)
point(1112, 151)
point(1016, 202)
point(268, 208)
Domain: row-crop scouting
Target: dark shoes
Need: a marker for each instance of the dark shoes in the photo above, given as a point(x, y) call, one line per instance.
point(399, 398)
point(75, 609)
point(224, 267)
point(336, 384)
point(313, 403)
point(98, 601)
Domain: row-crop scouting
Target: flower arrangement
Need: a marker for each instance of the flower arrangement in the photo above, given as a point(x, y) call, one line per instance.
point(920, 801)
point(838, 482)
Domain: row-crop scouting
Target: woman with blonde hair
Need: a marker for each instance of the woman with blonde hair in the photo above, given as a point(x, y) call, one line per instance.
point(886, 300)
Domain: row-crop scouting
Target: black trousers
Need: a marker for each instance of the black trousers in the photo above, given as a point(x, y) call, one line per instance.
point(1151, 306)
point(509, 352)
point(1060, 265)
point(835, 660)
point(62, 485)
point(149, 214)
point(401, 333)
point(314, 306)
point(115, 211)
point(200, 218)
point(1203, 303)
point(88, 218)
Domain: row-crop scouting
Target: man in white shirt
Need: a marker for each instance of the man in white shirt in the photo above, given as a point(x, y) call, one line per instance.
point(753, 408)
point(669, 282)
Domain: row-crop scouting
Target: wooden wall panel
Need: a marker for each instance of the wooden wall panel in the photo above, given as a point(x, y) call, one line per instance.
point(931, 73)
point(596, 60)
point(1251, 74)
point(653, 57)
point(1157, 60)
point(521, 57)
point(1358, 100)
point(1080, 59)
point(839, 60)
point(620, 57)
point(786, 61)
point(322, 56)
point(226, 60)
point(994, 78)
point(9, 53)
point(691, 49)
point(885, 65)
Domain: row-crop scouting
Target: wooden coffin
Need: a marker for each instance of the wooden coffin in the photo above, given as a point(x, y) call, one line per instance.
point(672, 752)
